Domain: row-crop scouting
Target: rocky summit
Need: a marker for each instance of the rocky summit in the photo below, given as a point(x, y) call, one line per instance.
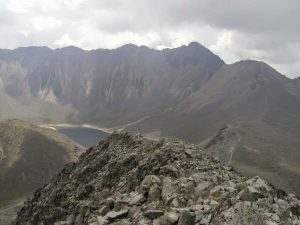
point(128, 179)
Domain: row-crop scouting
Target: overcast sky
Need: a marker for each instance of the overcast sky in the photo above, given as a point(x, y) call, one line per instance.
point(267, 30)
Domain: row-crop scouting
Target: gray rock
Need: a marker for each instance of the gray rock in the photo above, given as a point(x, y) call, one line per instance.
point(186, 218)
point(149, 181)
point(104, 210)
point(202, 189)
point(109, 202)
point(137, 199)
point(171, 217)
point(112, 216)
point(154, 193)
point(168, 189)
point(153, 214)
point(250, 194)
point(216, 192)
point(268, 222)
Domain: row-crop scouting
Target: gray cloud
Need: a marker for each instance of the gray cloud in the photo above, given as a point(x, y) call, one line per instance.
point(267, 30)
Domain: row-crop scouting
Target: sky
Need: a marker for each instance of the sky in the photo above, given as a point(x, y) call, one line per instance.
point(266, 30)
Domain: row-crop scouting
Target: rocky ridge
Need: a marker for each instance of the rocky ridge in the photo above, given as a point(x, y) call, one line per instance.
point(127, 179)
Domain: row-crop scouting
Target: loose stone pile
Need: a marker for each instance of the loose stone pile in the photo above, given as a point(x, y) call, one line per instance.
point(128, 179)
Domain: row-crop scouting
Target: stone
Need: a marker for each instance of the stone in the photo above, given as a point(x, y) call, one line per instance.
point(175, 203)
point(151, 186)
point(154, 193)
point(259, 184)
point(186, 218)
point(268, 222)
point(101, 220)
point(213, 203)
point(216, 191)
point(109, 202)
point(189, 189)
point(169, 170)
point(198, 216)
point(120, 205)
point(202, 189)
point(197, 207)
point(167, 190)
point(137, 199)
point(149, 181)
point(112, 216)
point(157, 222)
point(153, 214)
point(104, 210)
point(171, 217)
point(250, 194)
point(134, 211)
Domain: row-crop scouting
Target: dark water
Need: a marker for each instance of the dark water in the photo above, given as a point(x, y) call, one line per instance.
point(86, 137)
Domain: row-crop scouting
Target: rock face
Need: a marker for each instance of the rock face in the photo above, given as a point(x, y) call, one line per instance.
point(127, 179)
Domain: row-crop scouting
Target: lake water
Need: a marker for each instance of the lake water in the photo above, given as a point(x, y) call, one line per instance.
point(86, 137)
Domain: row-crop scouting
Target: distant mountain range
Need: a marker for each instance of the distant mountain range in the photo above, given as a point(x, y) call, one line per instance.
point(247, 113)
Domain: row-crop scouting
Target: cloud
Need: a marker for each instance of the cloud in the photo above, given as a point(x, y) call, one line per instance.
point(266, 30)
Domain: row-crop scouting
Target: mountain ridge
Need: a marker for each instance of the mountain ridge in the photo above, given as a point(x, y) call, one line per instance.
point(161, 182)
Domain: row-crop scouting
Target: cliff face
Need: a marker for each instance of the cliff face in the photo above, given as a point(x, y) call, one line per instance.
point(127, 179)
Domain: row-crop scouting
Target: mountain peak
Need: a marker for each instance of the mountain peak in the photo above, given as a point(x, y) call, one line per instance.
point(128, 46)
point(195, 44)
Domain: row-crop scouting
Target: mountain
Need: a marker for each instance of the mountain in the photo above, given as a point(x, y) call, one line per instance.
point(100, 85)
point(29, 157)
point(167, 182)
point(186, 92)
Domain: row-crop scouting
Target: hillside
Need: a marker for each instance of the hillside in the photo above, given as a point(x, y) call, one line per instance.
point(165, 182)
point(29, 157)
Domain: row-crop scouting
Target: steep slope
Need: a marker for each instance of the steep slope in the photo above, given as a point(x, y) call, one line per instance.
point(127, 179)
point(29, 157)
point(100, 85)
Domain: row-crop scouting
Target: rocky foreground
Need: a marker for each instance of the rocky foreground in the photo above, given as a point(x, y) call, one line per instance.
point(128, 179)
